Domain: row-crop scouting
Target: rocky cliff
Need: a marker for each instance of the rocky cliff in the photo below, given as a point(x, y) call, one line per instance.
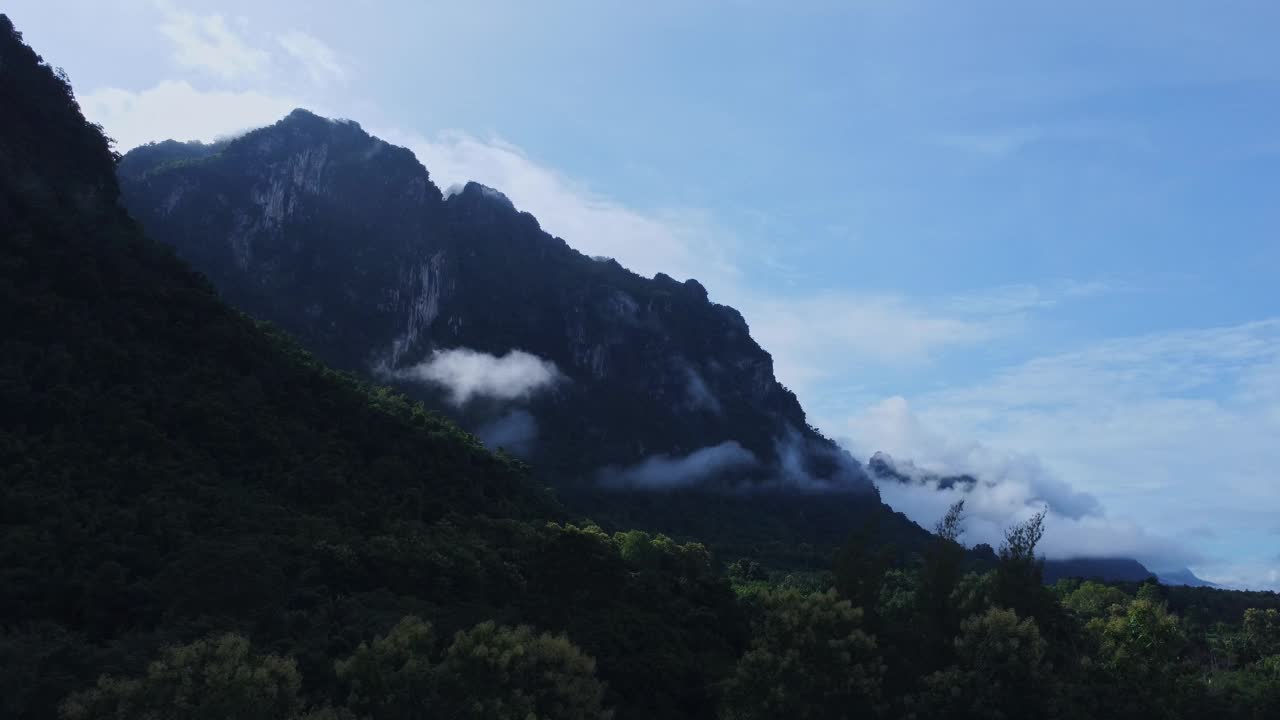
point(344, 241)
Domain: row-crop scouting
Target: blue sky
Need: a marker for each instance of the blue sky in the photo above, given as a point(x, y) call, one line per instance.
point(1029, 240)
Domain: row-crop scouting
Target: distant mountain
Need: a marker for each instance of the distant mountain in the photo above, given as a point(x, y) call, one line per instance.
point(1185, 577)
point(1095, 568)
point(343, 240)
point(1117, 570)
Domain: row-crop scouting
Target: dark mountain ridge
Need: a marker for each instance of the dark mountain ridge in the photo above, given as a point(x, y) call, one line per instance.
point(344, 241)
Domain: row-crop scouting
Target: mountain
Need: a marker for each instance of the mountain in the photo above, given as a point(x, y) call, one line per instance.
point(1096, 568)
point(611, 385)
point(172, 468)
point(344, 241)
point(1184, 576)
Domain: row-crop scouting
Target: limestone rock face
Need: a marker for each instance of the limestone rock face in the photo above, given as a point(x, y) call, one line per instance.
point(344, 241)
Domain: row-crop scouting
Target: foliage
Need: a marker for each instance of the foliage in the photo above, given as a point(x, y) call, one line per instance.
point(1094, 599)
point(488, 673)
point(1000, 672)
point(1141, 649)
point(940, 574)
point(497, 673)
point(393, 676)
point(1261, 633)
point(178, 477)
point(173, 468)
point(859, 567)
point(207, 680)
point(809, 659)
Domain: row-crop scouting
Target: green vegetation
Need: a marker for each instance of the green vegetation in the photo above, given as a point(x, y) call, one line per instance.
point(198, 520)
point(173, 470)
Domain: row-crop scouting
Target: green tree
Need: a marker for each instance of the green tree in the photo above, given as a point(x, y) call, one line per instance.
point(1093, 599)
point(1000, 673)
point(393, 676)
point(1260, 633)
point(212, 679)
point(501, 673)
point(1140, 659)
point(1019, 572)
point(1018, 584)
point(939, 576)
point(860, 565)
point(809, 659)
point(745, 570)
point(1150, 591)
point(1251, 692)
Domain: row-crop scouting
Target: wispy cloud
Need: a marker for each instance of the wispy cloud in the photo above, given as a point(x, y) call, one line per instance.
point(468, 374)
point(679, 242)
point(516, 432)
point(673, 471)
point(1169, 431)
point(243, 68)
point(996, 143)
point(175, 109)
point(1012, 485)
point(813, 337)
point(1026, 297)
point(1003, 142)
point(206, 43)
point(320, 61)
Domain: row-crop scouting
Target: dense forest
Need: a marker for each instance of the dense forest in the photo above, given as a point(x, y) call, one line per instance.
point(200, 520)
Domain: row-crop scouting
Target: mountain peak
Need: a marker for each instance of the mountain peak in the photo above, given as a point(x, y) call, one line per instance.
point(341, 239)
point(301, 130)
point(305, 117)
point(476, 191)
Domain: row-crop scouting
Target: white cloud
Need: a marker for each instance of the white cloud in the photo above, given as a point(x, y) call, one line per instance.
point(1025, 297)
point(319, 60)
point(681, 243)
point(891, 426)
point(820, 335)
point(991, 509)
point(1007, 141)
point(205, 43)
point(697, 395)
point(1171, 430)
point(667, 471)
point(210, 47)
point(467, 374)
point(174, 109)
point(995, 143)
point(1011, 487)
point(813, 337)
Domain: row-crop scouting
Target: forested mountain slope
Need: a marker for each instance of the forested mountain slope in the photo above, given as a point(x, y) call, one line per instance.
point(199, 516)
point(170, 467)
